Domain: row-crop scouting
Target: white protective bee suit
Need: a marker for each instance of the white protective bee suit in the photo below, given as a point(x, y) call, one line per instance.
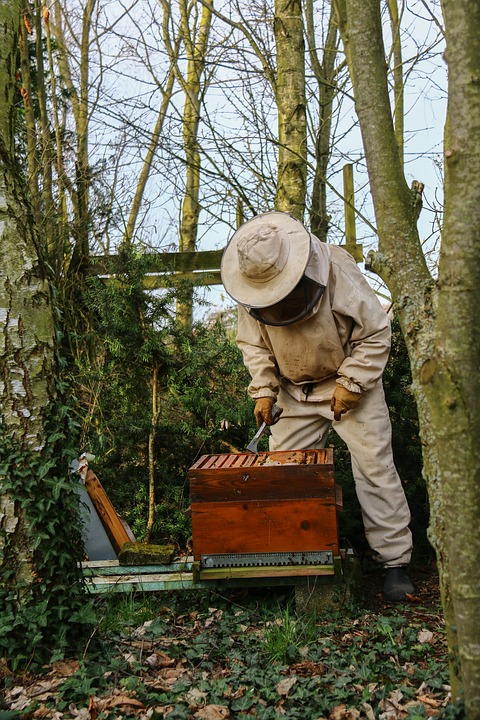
point(343, 339)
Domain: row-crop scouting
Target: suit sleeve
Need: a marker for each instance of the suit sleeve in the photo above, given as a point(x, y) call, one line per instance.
point(357, 306)
point(257, 356)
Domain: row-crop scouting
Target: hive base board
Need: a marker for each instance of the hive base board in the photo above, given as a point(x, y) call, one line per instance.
point(106, 576)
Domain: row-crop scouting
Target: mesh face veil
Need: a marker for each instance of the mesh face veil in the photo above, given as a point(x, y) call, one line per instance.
point(295, 307)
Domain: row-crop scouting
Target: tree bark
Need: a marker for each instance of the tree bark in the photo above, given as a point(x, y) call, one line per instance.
point(455, 385)
point(438, 318)
point(26, 318)
point(194, 31)
point(291, 104)
point(325, 75)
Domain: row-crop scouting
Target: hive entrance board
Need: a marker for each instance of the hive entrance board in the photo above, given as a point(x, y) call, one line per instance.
point(274, 508)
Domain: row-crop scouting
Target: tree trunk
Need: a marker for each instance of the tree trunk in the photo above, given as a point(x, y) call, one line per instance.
point(438, 319)
point(151, 454)
point(26, 320)
point(40, 588)
point(454, 387)
point(291, 104)
point(195, 30)
point(325, 75)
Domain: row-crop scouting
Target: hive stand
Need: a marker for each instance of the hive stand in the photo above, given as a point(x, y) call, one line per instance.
point(267, 519)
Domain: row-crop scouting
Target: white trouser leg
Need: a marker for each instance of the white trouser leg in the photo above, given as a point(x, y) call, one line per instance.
point(367, 434)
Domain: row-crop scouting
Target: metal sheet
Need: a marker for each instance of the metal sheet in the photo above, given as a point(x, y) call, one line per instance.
point(322, 557)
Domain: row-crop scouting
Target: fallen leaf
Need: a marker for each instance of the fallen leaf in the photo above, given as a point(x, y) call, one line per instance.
point(43, 712)
point(308, 668)
point(425, 636)
point(341, 712)
point(120, 700)
point(129, 658)
point(213, 712)
point(285, 685)
point(428, 701)
point(231, 694)
point(159, 660)
point(80, 713)
point(195, 696)
point(64, 668)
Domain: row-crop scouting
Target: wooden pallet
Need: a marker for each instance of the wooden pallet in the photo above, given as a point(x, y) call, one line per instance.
point(108, 576)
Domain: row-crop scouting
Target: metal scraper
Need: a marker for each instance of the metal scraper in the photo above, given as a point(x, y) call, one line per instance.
point(253, 444)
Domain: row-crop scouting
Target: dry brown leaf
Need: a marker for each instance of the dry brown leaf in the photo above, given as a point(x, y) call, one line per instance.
point(308, 668)
point(341, 712)
point(42, 712)
point(285, 685)
point(428, 701)
point(231, 694)
point(195, 696)
point(64, 668)
point(159, 660)
point(28, 24)
point(425, 636)
point(213, 712)
point(165, 678)
point(118, 700)
point(368, 710)
point(92, 708)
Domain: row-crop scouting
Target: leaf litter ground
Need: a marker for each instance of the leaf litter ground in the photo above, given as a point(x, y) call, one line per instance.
point(249, 653)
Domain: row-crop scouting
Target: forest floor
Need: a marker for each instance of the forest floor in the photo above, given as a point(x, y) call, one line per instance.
point(249, 653)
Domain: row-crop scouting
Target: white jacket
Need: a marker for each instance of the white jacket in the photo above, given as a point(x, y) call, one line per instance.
point(345, 339)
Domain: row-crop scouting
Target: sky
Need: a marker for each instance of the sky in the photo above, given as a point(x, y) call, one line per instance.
point(132, 83)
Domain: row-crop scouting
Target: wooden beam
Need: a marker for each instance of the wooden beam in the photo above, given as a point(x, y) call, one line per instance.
point(266, 571)
point(351, 244)
point(163, 268)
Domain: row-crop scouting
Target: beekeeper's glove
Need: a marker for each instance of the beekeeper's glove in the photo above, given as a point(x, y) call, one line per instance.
point(343, 400)
point(263, 410)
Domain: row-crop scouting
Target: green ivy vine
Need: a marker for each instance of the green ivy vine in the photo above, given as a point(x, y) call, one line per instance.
point(45, 609)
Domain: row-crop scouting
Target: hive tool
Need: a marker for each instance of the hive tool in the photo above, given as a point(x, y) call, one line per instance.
point(253, 444)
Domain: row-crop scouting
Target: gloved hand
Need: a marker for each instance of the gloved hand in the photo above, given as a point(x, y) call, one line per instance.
point(263, 410)
point(343, 400)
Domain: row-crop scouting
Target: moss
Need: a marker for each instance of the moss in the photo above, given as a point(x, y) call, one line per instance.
point(134, 553)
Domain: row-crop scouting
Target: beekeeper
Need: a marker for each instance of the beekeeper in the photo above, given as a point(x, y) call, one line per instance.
point(315, 340)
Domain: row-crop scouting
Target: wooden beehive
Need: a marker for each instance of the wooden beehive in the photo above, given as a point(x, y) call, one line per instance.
point(273, 502)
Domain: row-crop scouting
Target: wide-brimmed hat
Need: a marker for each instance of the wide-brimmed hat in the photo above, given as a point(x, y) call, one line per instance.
point(265, 259)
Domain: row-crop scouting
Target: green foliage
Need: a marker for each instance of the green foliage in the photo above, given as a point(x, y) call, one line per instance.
point(43, 610)
point(225, 650)
point(201, 386)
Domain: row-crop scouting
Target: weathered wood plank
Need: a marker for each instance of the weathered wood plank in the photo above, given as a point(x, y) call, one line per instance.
point(163, 262)
point(200, 268)
point(268, 571)
point(110, 569)
point(107, 513)
point(149, 583)
point(267, 483)
point(264, 526)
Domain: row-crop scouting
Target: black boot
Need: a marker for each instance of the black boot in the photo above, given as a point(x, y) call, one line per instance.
point(397, 584)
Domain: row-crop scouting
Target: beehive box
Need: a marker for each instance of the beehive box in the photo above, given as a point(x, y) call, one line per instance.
point(274, 504)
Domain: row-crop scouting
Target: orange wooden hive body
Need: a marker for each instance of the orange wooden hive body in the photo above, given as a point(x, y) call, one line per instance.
point(270, 503)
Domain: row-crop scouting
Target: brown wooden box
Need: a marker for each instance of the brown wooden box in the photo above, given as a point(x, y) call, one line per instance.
point(267, 503)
